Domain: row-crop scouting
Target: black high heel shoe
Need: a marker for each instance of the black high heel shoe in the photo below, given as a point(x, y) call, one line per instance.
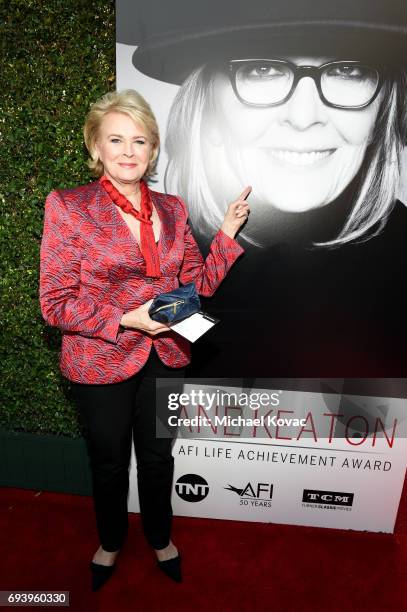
point(100, 574)
point(172, 568)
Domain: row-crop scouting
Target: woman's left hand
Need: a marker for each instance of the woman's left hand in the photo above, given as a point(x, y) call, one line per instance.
point(236, 214)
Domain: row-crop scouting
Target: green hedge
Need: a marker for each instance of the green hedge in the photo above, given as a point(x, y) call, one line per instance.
point(57, 57)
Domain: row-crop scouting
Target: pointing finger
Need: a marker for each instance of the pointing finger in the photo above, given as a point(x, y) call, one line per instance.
point(245, 193)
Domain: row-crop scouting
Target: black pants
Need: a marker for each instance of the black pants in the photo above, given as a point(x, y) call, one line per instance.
point(112, 414)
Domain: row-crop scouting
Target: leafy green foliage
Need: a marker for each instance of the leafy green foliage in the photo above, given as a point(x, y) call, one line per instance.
point(57, 57)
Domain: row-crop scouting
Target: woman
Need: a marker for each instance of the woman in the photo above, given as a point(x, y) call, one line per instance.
point(313, 123)
point(248, 107)
point(304, 100)
point(108, 249)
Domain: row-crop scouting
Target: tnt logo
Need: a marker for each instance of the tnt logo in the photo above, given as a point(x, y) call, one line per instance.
point(332, 498)
point(192, 488)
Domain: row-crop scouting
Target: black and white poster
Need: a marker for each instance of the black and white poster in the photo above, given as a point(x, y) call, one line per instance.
point(304, 100)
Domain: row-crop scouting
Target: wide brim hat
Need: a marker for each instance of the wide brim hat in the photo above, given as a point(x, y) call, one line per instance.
point(175, 36)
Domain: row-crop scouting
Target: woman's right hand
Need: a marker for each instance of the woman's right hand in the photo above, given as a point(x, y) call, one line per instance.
point(140, 319)
point(236, 214)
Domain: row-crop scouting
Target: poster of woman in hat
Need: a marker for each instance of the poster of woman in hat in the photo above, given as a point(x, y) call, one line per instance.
point(306, 102)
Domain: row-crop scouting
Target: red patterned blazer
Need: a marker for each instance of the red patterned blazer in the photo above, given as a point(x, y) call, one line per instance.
point(92, 272)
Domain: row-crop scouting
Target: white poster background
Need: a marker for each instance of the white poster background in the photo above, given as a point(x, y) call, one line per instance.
point(376, 493)
point(159, 95)
point(373, 474)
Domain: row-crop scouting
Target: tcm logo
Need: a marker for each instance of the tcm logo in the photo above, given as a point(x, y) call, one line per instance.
point(332, 498)
point(192, 488)
point(254, 496)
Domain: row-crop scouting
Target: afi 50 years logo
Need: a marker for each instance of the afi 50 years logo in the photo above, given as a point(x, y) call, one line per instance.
point(257, 494)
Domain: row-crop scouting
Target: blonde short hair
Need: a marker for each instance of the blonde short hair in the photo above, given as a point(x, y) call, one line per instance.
point(128, 102)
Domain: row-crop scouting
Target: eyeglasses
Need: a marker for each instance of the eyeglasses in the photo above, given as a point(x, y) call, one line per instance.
point(269, 82)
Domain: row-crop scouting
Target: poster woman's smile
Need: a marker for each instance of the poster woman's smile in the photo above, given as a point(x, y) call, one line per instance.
point(300, 157)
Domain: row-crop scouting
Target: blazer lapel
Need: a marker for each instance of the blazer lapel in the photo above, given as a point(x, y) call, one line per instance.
point(165, 212)
point(116, 232)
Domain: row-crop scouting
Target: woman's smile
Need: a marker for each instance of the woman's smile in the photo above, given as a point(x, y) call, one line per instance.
point(297, 157)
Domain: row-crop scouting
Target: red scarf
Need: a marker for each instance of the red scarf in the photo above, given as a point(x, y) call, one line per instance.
point(147, 239)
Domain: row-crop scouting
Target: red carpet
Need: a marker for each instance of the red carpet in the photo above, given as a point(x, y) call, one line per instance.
point(47, 540)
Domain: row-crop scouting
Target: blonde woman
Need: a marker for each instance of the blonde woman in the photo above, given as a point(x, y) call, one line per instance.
point(108, 249)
